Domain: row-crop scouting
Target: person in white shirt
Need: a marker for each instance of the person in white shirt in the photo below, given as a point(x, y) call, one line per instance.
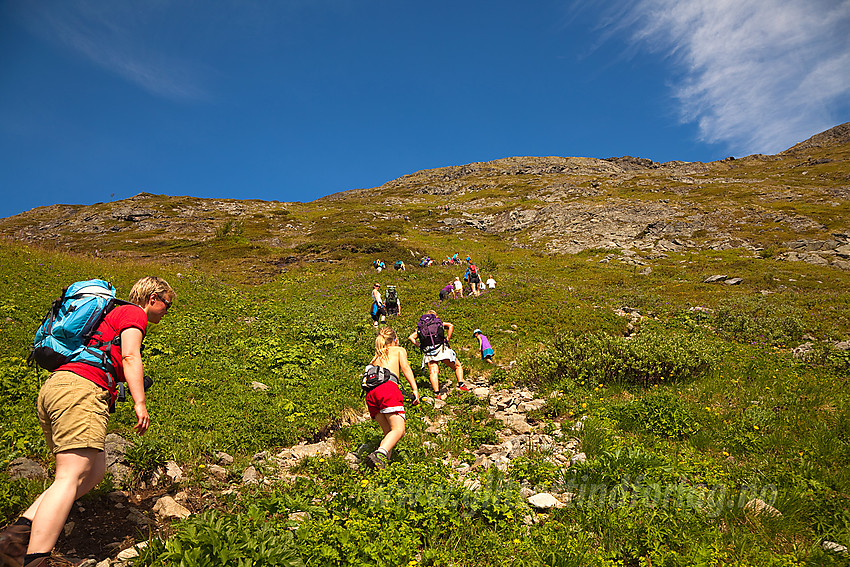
point(491, 283)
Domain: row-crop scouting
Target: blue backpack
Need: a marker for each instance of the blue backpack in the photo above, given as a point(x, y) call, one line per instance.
point(68, 331)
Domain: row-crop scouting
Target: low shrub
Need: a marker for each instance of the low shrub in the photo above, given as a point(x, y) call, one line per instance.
point(654, 356)
point(623, 463)
point(537, 472)
point(754, 319)
point(594, 435)
point(662, 413)
point(826, 355)
point(145, 456)
point(15, 496)
point(215, 538)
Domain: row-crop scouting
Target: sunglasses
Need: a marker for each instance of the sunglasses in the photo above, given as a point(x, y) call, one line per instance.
point(166, 302)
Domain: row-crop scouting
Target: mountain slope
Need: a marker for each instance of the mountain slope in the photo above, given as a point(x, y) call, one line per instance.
point(795, 201)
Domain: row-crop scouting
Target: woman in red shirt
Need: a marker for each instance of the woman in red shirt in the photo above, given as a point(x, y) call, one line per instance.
point(73, 408)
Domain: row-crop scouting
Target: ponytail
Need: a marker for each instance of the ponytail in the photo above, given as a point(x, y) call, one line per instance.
point(386, 338)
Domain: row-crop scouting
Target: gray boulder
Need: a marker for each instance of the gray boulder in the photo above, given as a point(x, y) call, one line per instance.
point(167, 507)
point(250, 476)
point(116, 450)
point(545, 501)
point(26, 468)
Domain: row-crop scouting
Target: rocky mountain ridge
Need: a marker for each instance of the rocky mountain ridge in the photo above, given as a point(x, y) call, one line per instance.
point(794, 205)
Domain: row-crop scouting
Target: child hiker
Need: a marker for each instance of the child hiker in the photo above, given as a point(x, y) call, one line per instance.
point(484, 346)
point(384, 398)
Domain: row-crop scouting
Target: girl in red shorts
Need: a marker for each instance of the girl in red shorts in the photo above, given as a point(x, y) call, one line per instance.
point(385, 402)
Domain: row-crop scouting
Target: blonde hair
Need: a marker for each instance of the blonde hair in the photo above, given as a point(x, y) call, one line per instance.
point(147, 286)
point(385, 339)
point(430, 312)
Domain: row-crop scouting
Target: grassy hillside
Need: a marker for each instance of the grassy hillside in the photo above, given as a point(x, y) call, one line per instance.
point(707, 403)
point(686, 397)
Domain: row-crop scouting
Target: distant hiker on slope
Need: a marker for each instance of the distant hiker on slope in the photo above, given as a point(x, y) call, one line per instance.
point(393, 302)
point(484, 346)
point(447, 290)
point(472, 277)
point(379, 309)
point(458, 285)
point(73, 409)
point(432, 337)
point(383, 396)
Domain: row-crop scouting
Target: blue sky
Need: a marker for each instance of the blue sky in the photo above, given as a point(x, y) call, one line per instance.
point(291, 100)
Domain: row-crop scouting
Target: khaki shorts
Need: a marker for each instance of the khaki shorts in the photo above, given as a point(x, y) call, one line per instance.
point(73, 412)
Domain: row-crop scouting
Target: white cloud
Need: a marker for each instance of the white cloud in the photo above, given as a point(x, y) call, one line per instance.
point(757, 75)
point(125, 38)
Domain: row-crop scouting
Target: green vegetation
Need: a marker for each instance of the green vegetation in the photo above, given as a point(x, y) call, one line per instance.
point(683, 415)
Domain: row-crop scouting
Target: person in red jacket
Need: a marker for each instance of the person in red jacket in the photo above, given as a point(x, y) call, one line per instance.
point(73, 409)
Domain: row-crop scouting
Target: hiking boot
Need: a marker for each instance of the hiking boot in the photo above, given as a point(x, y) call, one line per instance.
point(13, 544)
point(53, 561)
point(376, 460)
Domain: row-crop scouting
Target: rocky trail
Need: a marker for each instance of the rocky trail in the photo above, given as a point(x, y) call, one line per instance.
point(105, 528)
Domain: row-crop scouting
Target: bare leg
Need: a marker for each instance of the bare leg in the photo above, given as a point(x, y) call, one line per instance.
point(434, 376)
point(92, 480)
point(458, 368)
point(77, 472)
point(392, 425)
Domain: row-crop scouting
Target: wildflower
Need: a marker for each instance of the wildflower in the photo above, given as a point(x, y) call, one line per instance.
point(322, 460)
point(583, 406)
point(725, 454)
point(364, 482)
point(516, 542)
point(755, 426)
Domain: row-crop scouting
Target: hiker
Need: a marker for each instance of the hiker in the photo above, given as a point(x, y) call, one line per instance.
point(491, 283)
point(472, 277)
point(432, 337)
point(73, 409)
point(447, 290)
point(484, 346)
point(399, 265)
point(381, 266)
point(393, 302)
point(379, 309)
point(458, 288)
point(385, 401)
